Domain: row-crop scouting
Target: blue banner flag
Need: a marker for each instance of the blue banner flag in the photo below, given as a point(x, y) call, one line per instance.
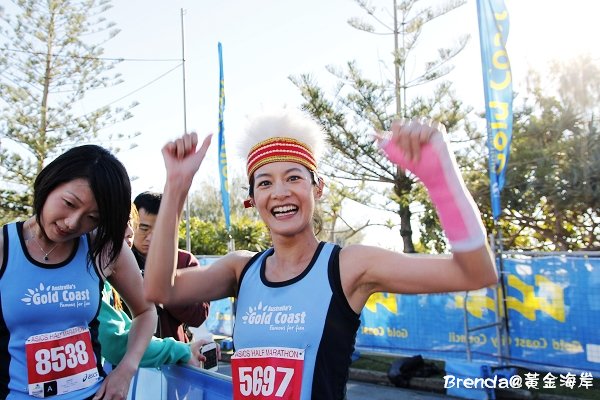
point(497, 86)
point(222, 152)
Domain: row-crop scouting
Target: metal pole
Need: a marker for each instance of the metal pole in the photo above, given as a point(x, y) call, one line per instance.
point(499, 320)
point(188, 241)
point(467, 329)
point(502, 276)
point(396, 66)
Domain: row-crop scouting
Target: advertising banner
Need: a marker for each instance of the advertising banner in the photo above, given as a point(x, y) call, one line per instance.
point(554, 318)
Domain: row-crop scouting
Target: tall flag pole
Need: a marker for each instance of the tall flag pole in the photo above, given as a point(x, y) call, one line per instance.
point(222, 152)
point(188, 237)
point(497, 86)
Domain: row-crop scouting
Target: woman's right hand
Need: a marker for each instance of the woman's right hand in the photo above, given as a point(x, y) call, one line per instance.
point(116, 384)
point(181, 158)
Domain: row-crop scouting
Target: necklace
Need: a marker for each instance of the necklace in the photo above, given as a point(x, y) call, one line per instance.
point(46, 253)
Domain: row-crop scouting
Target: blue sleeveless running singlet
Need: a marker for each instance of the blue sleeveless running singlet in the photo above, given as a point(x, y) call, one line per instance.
point(48, 323)
point(298, 333)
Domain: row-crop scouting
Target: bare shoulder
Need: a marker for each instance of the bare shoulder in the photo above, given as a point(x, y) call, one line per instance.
point(225, 273)
point(354, 259)
point(238, 259)
point(241, 255)
point(354, 249)
point(235, 260)
point(358, 265)
point(124, 261)
point(360, 254)
point(358, 261)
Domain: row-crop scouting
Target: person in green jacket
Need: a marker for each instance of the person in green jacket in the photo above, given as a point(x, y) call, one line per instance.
point(113, 334)
point(115, 324)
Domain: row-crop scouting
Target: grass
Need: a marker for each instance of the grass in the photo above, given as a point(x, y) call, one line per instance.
point(373, 363)
point(383, 363)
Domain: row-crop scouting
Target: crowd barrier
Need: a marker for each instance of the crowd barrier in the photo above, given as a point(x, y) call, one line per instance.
point(553, 306)
point(178, 382)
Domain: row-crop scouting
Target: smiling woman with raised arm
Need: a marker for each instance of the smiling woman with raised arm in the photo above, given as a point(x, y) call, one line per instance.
point(317, 288)
point(52, 268)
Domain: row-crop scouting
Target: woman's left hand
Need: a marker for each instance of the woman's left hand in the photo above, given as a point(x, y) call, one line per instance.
point(116, 384)
point(197, 357)
point(409, 136)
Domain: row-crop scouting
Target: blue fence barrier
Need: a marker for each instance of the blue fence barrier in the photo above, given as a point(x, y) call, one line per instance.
point(553, 308)
point(178, 382)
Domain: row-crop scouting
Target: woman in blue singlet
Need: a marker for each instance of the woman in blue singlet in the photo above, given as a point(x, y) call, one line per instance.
point(52, 271)
point(298, 303)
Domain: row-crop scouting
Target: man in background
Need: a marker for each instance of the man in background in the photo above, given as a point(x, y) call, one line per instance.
point(172, 320)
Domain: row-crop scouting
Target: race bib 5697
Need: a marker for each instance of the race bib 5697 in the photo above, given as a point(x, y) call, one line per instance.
point(267, 373)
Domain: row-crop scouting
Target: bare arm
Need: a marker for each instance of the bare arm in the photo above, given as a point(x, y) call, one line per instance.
point(192, 314)
point(127, 280)
point(163, 282)
point(420, 146)
point(367, 270)
point(181, 162)
point(217, 281)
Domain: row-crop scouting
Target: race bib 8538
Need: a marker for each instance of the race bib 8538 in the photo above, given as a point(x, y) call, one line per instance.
point(60, 362)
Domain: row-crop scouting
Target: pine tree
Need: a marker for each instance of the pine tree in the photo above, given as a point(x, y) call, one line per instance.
point(51, 58)
point(360, 106)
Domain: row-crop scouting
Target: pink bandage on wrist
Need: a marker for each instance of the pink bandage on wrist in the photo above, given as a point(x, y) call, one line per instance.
point(437, 169)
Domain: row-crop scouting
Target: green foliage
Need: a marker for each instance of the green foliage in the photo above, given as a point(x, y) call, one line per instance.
point(206, 203)
point(357, 107)
point(205, 237)
point(552, 193)
point(551, 198)
point(208, 234)
point(47, 71)
point(408, 23)
point(354, 161)
point(210, 238)
point(14, 205)
point(333, 227)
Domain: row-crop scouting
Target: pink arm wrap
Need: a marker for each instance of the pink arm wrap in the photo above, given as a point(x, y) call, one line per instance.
point(437, 169)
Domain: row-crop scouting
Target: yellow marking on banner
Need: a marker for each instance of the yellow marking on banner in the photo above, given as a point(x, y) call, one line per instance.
point(386, 300)
point(552, 303)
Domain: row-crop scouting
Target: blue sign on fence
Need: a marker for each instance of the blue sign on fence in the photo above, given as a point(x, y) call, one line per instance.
point(553, 308)
point(220, 317)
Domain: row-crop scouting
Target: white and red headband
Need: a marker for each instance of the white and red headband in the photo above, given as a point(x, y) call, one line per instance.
point(280, 149)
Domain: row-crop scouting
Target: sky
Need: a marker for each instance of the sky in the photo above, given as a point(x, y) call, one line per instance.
point(266, 41)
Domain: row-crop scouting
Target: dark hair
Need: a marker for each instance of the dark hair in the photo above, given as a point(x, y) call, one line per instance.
point(149, 201)
point(110, 185)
